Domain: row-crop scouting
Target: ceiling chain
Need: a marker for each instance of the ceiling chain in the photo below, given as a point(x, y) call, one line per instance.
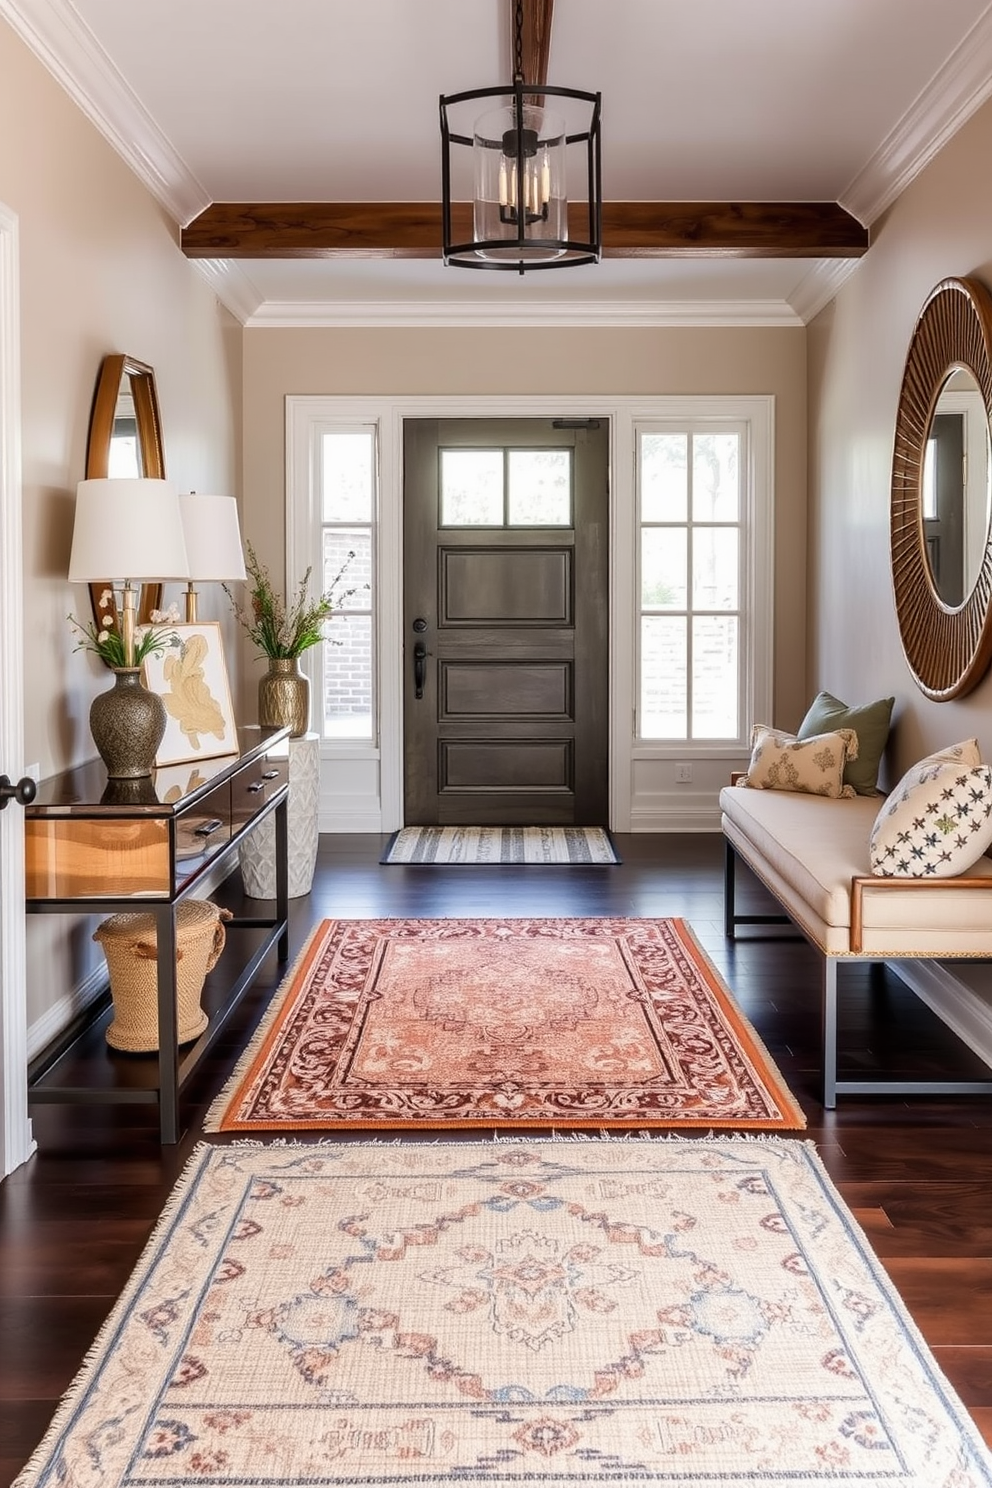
point(518, 60)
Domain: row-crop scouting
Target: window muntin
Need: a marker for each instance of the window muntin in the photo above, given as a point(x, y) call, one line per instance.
point(691, 557)
point(347, 486)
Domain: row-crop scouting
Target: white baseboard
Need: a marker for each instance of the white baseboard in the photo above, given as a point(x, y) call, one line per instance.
point(342, 815)
point(58, 1017)
point(963, 1009)
point(675, 811)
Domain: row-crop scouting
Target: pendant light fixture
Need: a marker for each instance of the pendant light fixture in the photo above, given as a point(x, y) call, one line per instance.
point(520, 151)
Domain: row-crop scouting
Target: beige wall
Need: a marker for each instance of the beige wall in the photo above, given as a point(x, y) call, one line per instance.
point(942, 225)
point(100, 271)
point(551, 362)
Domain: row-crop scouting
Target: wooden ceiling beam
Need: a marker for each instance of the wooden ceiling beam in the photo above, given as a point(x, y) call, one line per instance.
point(535, 37)
point(630, 230)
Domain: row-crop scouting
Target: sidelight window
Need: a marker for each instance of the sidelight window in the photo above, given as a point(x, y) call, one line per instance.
point(347, 487)
point(693, 545)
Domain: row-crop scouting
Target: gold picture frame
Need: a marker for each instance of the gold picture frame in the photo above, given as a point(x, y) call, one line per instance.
point(191, 679)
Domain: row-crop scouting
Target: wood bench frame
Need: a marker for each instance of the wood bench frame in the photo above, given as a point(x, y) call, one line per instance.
point(832, 1086)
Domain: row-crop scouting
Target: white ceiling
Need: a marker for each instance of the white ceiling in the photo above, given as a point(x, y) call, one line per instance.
point(319, 100)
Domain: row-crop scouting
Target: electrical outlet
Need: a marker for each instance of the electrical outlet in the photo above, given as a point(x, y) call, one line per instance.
point(683, 774)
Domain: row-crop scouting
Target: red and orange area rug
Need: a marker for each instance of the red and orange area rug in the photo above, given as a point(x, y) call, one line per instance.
point(434, 1024)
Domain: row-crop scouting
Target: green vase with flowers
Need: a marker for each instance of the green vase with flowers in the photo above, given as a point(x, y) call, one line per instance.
point(282, 632)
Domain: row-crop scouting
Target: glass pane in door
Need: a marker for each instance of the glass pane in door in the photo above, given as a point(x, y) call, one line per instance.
point(471, 488)
point(540, 488)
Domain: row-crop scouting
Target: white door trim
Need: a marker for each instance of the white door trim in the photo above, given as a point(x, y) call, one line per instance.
point(16, 1141)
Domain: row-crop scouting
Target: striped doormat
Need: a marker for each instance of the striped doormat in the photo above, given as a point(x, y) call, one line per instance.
point(577, 845)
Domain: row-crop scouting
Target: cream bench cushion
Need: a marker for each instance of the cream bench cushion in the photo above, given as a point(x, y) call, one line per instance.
point(812, 853)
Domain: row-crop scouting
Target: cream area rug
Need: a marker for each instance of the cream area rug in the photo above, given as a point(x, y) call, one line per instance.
point(501, 846)
point(670, 1311)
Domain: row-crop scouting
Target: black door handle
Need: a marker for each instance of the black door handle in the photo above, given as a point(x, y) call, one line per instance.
point(420, 654)
point(23, 792)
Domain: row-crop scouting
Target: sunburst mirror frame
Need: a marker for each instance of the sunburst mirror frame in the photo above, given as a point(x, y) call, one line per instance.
point(948, 649)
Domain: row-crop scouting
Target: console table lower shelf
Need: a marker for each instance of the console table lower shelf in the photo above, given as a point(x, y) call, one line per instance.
point(79, 1067)
point(82, 1069)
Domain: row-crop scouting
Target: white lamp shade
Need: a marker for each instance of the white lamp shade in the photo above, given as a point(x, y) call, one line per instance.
point(127, 529)
point(213, 537)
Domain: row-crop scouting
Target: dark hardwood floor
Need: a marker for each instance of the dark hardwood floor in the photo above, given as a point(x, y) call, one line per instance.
point(917, 1173)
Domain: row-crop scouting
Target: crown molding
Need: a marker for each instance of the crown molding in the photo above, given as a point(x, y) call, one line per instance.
point(822, 284)
point(55, 33)
point(948, 101)
point(231, 285)
point(338, 315)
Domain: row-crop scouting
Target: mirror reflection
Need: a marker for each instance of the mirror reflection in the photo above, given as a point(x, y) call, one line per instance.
point(956, 488)
point(124, 455)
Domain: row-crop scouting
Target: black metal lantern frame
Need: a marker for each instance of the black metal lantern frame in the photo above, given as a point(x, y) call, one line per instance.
point(517, 144)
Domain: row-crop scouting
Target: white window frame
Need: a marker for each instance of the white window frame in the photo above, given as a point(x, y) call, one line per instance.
point(753, 698)
point(318, 432)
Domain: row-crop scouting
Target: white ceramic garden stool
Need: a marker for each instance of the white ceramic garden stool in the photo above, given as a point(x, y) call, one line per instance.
point(258, 851)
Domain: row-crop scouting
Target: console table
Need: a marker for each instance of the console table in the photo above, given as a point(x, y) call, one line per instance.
point(95, 846)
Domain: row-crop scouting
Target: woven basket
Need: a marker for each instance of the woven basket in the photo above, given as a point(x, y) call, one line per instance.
point(130, 945)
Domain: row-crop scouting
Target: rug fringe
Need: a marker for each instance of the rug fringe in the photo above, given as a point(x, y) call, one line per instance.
point(197, 1159)
point(540, 1136)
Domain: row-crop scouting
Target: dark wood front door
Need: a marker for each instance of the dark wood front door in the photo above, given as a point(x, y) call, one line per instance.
point(506, 577)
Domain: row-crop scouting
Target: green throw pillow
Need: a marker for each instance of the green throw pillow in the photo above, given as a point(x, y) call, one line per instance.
point(871, 722)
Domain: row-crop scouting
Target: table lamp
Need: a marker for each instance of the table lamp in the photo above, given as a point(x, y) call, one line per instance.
point(131, 529)
point(213, 543)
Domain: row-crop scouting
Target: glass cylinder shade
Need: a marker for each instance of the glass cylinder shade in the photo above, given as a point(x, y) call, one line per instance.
point(521, 201)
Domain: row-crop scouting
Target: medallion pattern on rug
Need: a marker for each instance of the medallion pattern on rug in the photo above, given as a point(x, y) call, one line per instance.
point(599, 1022)
point(576, 1312)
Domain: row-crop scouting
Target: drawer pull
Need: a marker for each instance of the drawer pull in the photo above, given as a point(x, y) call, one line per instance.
point(270, 774)
point(256, 785)
point(208, 827)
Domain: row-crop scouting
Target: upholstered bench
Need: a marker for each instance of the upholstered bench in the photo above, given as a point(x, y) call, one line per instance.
point(812, 854)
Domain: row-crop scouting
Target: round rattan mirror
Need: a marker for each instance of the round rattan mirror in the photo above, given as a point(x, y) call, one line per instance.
point(948, 646)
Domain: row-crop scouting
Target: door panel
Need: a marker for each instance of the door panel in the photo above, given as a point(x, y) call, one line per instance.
point(481, 689)
point(519, 587)
point(506, 715)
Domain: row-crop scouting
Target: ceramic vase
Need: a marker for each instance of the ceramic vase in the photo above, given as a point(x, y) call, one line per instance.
point(127, 724)
point(284, 696)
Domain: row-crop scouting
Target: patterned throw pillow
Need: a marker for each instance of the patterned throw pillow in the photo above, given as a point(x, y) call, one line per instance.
point(938, 820)
point(780, 761)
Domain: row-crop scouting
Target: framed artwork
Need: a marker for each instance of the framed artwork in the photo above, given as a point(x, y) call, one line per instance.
point(191, 680)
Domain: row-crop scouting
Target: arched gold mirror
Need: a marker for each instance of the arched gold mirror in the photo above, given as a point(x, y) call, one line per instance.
point(941, 482)
point(125, 439)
